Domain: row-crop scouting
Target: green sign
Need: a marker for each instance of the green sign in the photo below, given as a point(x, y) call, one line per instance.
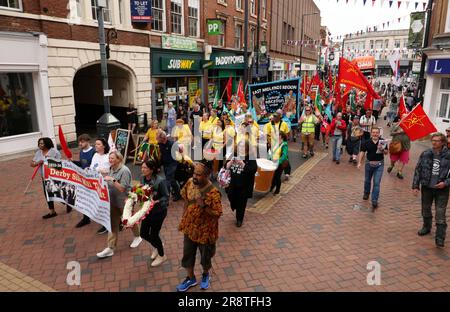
point(214, 26)
point(178, 43)
point(177, 64)
point(416, 30)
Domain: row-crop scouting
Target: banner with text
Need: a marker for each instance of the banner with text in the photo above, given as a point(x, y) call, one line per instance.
point(267, 98)
point(84, 190)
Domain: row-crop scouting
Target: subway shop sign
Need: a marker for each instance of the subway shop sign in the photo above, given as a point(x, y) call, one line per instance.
point(175, 64)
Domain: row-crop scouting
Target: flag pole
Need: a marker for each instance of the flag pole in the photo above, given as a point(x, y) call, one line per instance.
point(32, 178)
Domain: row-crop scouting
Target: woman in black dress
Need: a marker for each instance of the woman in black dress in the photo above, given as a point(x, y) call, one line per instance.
point(131, 117)
point(242, 170)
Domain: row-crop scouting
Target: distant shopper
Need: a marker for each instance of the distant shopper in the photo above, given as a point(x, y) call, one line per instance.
point(132, 117)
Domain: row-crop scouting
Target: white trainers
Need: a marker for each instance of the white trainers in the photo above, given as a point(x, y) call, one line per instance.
point(107, 252)
point(159, 260)
point(136, 242)
point(154, 254)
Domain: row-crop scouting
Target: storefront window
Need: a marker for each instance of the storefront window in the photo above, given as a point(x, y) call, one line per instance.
point(445, 83)
point(17, 104)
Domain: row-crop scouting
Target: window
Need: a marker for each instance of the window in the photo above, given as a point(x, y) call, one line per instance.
point(379, 44)
point(252, 39)
point(264, 8)
point(106, 11)
point(11, 4)
point(18, 113)
point(121, 17)
point(386, 43)
point(238, 36)
point(264, 35)
point(239, 4)
point(371, 44)
point(176, 16)
point(193, 18)
point(253, 7)
point(397, 43)
point(447, 23)
point(222, 1)
point(158, 15)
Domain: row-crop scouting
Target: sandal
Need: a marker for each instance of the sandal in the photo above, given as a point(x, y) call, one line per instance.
point(49, 215)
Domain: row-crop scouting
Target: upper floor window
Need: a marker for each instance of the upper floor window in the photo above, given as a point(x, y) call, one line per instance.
point(158, 15)
point(252, 39)
point(238, 36)
point(176, 16)
point(106, 11)
point(253, 7)
point(194, 9)
point(397, 43)
point(222, 1)
point(239, 4)
point(221, 38)
point(11, 4)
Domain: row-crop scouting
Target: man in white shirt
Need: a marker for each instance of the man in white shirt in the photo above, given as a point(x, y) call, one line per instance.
point(367, 122)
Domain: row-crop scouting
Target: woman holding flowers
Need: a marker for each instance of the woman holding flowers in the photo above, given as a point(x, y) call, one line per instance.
point(151, 225)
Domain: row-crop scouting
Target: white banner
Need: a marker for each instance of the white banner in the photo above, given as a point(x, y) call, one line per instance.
point(83, 190)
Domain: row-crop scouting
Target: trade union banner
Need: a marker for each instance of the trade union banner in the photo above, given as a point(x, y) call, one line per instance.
point(83, 190)
point(267, 98)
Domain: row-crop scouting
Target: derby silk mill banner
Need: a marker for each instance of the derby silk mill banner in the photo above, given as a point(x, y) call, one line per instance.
point(84, 190)
point(267, 98)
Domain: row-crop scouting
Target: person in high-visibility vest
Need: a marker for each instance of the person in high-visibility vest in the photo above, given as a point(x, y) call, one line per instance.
point(308, 122)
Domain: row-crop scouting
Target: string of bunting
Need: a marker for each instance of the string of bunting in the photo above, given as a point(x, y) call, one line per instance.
point(398, 5)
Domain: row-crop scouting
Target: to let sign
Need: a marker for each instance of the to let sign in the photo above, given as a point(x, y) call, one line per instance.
point(141, 11)
point(214, 27)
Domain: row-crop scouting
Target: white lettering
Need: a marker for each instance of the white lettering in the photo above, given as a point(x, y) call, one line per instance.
point(374, 276)
point(229, 60)
point(436, 69)
point(74, 276)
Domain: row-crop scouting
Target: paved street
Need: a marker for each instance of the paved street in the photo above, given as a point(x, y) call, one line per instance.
point(319, 235)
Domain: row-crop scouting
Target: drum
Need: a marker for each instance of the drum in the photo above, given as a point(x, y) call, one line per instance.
point(264, 175)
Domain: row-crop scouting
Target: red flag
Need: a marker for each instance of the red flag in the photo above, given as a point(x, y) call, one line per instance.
point(330, 82)
point(229, 88)
point(316, 82)
point(241, 94)
point(369, 102)
point(351, 77)
point(63, 142)
point(417, 124)
point(402, 107)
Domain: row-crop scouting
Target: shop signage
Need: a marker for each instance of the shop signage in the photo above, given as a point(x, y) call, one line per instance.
point(228, 61)
point(439, 67)
point(416, 67)
point(214, 26)
point(175, 64)
point(276, 65)
point(178, 43)
point(416, 30)
point(141, 11)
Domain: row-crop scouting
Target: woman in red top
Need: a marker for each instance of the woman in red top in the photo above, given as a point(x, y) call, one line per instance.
point(337, 131)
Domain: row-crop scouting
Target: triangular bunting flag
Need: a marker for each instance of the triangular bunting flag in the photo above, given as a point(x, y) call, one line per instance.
point(416, 5)
point(390, 3)
point(399, 4)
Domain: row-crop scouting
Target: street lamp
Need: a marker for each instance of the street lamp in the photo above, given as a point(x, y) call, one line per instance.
point(301, 40)
point(107, 121)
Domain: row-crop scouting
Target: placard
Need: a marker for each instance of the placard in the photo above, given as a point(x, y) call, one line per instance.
point(121, 141)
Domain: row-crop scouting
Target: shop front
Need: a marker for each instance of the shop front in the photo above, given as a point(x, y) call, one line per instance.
point(225, 64)
point(177, 76)
point(437, 92)
point(25, 110)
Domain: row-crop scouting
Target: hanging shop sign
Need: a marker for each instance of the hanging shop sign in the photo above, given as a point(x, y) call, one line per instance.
point(214, 26)
point(178, 43)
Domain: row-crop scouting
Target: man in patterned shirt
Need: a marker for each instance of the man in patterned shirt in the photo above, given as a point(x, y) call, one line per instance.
point(199, 224)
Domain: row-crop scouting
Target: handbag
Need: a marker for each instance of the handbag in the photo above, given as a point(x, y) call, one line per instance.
point(395, 147)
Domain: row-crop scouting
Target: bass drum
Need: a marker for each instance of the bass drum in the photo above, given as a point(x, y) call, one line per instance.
point(264, 175)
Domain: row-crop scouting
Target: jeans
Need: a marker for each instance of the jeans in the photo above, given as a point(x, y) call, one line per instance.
point(337, 143)
point(375, 173)
point(172, 184)
point(440, 198)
